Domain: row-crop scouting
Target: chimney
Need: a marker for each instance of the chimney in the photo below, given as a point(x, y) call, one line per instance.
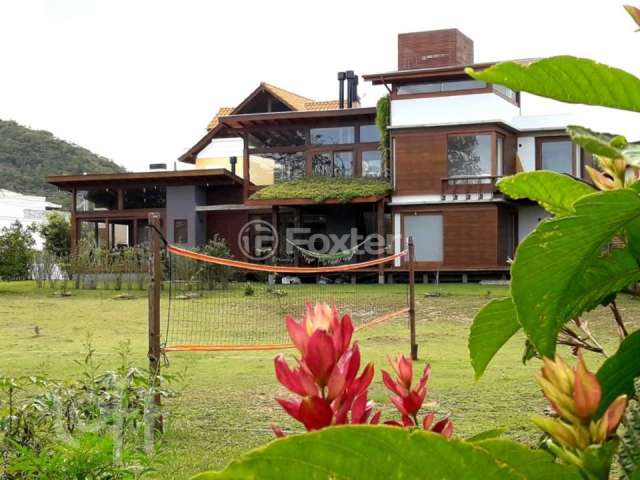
point(354, 91)
point(233, 161)
point(350, 77)
point(435, 48)
point(341, 77)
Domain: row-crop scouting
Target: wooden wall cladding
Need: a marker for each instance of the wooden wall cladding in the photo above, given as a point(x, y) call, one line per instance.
point(227, 225)
point(420, 162)
point(472, 234)
point(436, 48)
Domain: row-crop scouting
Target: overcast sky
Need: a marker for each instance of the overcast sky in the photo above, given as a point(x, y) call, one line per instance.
point(137, 81)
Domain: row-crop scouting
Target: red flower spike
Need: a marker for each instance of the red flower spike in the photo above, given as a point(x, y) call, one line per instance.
point(444, 427)
point(375, 420)
point(326, 377)
point(320, 356)
point(427, 421)
point(614, 413)
point(586, 390)
point(315, 413)
point(277, 431)
point(404, 369)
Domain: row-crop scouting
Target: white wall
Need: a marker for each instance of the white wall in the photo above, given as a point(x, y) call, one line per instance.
point(223, 147)
point(480, 107)
point(26, 209)
point(528, 217)
point(527, 153)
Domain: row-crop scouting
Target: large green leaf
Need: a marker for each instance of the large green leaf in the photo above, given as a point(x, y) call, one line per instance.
point(618, 372)
point(568, 79)
point(492, 326)
point(605, 144)
point(530, 463)
point(560, 271)
point(554, 191)
point(379, 452)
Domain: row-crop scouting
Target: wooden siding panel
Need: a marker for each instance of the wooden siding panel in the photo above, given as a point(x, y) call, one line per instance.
point(436, 48)
point(227, 225)
point(420, 163)
point(471, 237)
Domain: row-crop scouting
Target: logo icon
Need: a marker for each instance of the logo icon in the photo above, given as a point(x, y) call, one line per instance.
point(258, 240)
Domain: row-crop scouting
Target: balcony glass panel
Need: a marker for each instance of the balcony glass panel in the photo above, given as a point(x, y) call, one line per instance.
point(369, 133)
point(332, 135)
point(148, 197)
point(281, 137)
point(441, 86)
point(371, 163)
point(96, 200)
point(322, 164)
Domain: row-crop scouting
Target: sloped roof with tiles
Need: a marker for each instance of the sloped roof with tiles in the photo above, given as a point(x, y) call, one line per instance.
point(292, 100)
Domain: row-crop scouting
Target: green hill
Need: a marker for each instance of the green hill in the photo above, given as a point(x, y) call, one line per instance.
point(27, 156)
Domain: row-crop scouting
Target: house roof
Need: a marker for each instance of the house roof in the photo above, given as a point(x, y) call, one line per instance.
point(429, 72)
point(214, 176)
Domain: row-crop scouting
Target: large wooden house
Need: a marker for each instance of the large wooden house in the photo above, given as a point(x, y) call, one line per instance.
point(318, 165)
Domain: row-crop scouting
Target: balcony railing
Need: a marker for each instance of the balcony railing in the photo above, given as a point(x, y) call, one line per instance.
point(468, 188)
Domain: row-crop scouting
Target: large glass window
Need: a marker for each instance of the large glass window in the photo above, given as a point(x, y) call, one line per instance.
point(556, 155)
point(276, 166)
point(426, 231)
point(469, 155)
point(146, 197)
point(96, 200)
point(332, 135)
point(507, 92)
point(499, 155)
point(371, 163)
point(441, 86)
point(337, 164)
point(369, 133)
point(282, 137)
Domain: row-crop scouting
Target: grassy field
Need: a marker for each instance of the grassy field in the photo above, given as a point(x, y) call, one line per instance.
point(227, 402)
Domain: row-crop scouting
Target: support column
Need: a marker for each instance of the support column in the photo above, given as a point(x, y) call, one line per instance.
point(275, 223)
point(381, 237)
point(246, 174)
point(155, 285)
point(297, 222)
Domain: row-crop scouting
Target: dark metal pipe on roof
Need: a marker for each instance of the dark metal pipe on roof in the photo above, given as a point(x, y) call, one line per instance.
point(341, 77)
point(350, 77)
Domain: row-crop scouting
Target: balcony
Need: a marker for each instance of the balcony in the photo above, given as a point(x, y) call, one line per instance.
point(471, 188)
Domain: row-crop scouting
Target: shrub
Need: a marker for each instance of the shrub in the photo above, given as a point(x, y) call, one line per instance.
point(16, 252)
point(56, 234)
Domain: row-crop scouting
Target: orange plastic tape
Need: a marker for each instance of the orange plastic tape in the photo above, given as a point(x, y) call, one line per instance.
point(281, 269)
point(188, 347)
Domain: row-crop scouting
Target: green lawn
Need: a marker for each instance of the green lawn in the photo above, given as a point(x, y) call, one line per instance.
point(227, 402)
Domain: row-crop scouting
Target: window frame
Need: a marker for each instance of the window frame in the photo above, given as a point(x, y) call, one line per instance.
point(186, 228)
point(551, 139)
point(493, 144)
point(403, 234)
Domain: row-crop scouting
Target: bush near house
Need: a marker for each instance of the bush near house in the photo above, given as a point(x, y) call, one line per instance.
point(16, 252)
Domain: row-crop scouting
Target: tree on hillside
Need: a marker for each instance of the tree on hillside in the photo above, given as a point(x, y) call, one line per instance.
point(16, 252)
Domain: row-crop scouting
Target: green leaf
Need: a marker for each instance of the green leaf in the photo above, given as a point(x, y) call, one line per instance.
point(597, 459)
point(487, 435)
point(629, 450)
point(559, 270)
point(492, 326)
point(554, 191)
point(377, 452)
point(617, 373)
point(605, 144)
point(531, 464)
point(568, 79)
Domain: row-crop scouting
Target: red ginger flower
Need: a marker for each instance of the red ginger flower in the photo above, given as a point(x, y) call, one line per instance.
point(409, 401)
point(326, 377)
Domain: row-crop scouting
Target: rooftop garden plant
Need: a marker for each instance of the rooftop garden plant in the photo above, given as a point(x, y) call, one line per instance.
point(320, 189)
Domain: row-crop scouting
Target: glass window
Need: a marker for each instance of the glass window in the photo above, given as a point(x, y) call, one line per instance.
point(342, 164)
point(499, 155)
point(372, 163)
point(332, 135)
point(369, 133)
point(180, 231)
point(469, 155)
point(148, 197)
point(426, 231)
point(267, 168)
point(506, 91)
point(283, 137)
point(456, 85)
point(322, 164)
point(556, 155)
point(96, 200)
point(441, 86)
